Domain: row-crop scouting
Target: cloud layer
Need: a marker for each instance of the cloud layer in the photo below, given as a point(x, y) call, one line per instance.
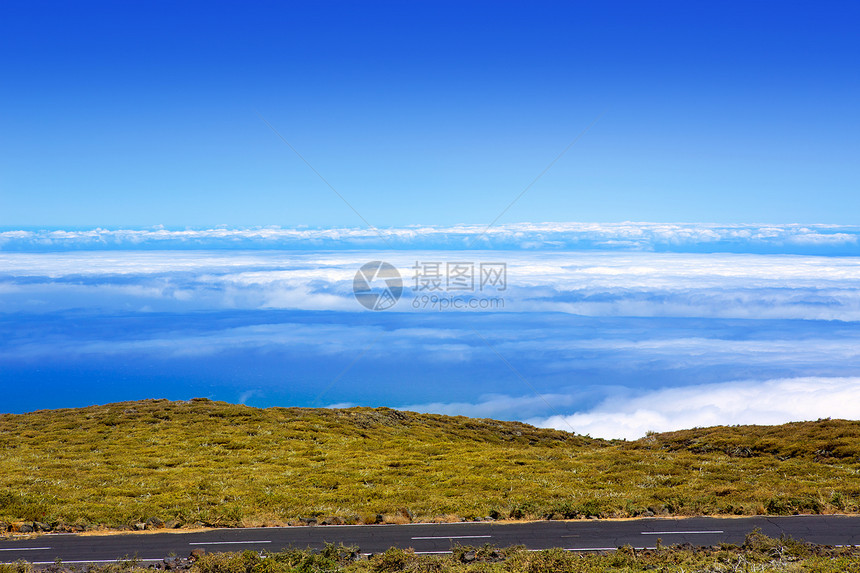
point(627, 236)
point(636, 284)
point(628, 415)
point(750, 402)
point(608, 339)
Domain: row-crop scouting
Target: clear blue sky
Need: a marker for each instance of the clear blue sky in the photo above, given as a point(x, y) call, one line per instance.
point(131, 114)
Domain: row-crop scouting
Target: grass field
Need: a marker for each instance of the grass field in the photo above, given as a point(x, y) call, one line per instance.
point(212, 463)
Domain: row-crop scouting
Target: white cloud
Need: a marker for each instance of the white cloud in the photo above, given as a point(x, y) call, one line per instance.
point(822, 239)
point(767, 402)
point(496, 406)
point(750, 402)
point(316, 339)
point(642, 284)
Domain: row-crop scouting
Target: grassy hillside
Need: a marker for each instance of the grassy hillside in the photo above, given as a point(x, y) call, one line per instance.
point(203, 462)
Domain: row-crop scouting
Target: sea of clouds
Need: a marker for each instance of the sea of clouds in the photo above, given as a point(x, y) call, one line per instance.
point(664, 237)
point(588, 283)
point(611, 330)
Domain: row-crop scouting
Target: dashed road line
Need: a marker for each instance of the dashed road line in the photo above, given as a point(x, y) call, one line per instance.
point(679, 532)
point(227, 542)
point(454, 537)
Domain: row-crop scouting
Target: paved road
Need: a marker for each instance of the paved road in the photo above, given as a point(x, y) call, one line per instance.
point(434, 538)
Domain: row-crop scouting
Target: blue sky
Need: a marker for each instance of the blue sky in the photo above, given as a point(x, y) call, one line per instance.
point(692, 259)
point(136, 114)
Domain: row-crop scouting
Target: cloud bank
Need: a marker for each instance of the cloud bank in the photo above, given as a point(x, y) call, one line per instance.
point(634, 284)
point(767, 402)
point(751, 402)
point(610, 339)
point(627, 236)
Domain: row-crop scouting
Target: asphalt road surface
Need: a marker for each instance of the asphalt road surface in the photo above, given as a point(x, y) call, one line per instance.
point(433, 538)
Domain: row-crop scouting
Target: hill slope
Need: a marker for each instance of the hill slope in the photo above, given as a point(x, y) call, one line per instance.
point(221, 464)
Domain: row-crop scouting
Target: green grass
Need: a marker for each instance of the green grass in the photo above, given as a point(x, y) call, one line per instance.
point(757, 554)
point(204, 462)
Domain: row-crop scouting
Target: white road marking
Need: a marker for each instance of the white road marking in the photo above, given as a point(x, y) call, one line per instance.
point(26, 549)
point(678, 532)
point(226, 542)
point(455, 537)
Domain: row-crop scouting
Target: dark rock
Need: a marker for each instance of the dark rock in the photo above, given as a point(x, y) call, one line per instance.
point(66, 528)
point(308, 520)
point(648, 513)
point(39, 526)
point(345, 555)
point(197, 553)
point(154, 523)
point(172, 563)
point(22, 528)
point(469, 556)
point(172, 524)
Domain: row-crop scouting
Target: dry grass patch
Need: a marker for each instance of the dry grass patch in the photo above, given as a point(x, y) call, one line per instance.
point(211, 463)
